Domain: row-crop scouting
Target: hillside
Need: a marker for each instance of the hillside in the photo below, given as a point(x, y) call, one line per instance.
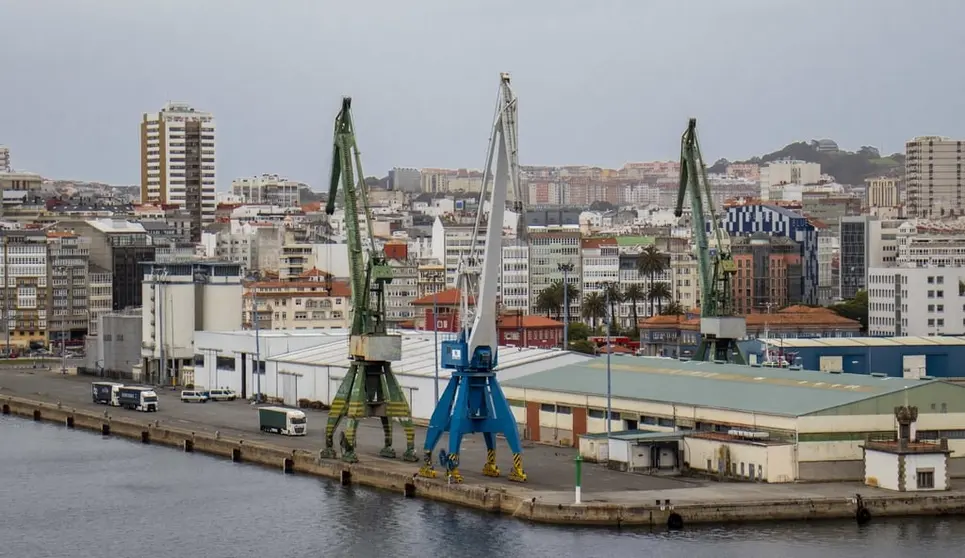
point(846, 167)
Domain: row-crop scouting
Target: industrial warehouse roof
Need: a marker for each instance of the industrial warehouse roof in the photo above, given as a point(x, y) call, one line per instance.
point(935, 341)
point(419, 352)
point(775, 391)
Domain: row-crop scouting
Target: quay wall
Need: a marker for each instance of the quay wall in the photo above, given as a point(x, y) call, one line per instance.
point(518, 502)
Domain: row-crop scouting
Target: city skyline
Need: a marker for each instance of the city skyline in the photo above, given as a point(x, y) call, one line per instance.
point(275, 114)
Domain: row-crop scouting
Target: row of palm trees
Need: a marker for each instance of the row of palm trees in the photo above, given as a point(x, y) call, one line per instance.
point(593, 306)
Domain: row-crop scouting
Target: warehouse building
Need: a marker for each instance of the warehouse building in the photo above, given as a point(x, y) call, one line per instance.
point(790, 424)
point(899, 357)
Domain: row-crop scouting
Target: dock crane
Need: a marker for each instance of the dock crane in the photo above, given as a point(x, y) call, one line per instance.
point(719, 327)
point(473, 401)
point(369, 388)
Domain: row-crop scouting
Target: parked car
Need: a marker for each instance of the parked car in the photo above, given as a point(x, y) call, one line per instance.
point(190, 396)
point(222, 395)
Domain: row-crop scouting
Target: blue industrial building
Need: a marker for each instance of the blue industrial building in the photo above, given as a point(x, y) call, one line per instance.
point(775, 220)
point(938, 357)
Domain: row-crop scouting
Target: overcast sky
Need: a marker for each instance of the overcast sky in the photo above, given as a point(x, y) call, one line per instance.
point(600, 82)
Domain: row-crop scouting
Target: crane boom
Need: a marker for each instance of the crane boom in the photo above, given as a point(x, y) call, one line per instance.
point(719, 327)
point(473, 400)
point(369, 388)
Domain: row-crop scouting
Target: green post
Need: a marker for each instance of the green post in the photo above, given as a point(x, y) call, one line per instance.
point(579, 476)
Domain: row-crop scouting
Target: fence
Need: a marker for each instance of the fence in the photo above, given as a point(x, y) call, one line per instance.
point(105, 373)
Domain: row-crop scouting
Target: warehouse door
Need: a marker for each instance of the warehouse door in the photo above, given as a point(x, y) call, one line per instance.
point(289, 389)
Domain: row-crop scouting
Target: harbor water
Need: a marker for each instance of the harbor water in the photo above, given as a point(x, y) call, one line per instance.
point(75, 494)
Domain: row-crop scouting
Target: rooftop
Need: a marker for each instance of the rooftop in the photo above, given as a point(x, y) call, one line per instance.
point(776, 391)
point(934, 341)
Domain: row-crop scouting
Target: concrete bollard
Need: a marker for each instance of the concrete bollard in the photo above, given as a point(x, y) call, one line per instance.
point(70, 421)
point(145, 437)
point(236, 455)
point(37, 414)
point(188, 446)
point(346, 477)
point(288, 465)
point(6, 409)
point(106, 429)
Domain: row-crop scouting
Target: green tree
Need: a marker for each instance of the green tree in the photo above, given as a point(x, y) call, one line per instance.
point(583, 346)
point(658, 293)
point(650, 264)
point(594, 307)
point(613, 292)
point(551, 298)
point(855, 309)
point(673, 309)
point(579, 331)
point(634, 293)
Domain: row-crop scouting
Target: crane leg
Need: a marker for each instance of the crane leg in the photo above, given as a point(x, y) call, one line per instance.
point(409, 430)
point(336, 413)
point(387, 450)
point(490, 469)
point(438, 424)
point(398, 407)
point(509, 429)
point(348, 451)
point(460, 425)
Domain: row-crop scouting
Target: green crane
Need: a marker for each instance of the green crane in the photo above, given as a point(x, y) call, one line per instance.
point(720, 329)
point(369, 388)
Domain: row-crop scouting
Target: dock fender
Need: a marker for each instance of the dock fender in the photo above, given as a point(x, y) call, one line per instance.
point(675, 522)
point(862, 516)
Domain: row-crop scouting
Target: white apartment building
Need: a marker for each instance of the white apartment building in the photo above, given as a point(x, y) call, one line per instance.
point(268, 189)
point(287, 305)
point(4, 159)
point(450, 242)
point(933, 175)
point(827, 246)
point(601, 264)
point(178, 161)
point(882, 191)
point(776, 173)
point(403, 289)
point(100, 296)
point(514, 278)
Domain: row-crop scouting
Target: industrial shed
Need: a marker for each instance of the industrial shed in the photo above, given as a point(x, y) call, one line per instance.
point(900, 357)
point(823, 418)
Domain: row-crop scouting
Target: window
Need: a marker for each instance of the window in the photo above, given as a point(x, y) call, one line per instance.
point(596, 413)
point(547, 408)
point(926, 478)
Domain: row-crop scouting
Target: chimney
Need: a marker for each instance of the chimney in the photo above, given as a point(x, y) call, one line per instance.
point(905, 415)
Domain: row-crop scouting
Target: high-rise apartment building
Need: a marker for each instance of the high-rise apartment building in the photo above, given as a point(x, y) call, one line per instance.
point(4, 159)
point(933, 177)
point(550, 249)
point(23, 274)
point(268, 189)
point(178, 162)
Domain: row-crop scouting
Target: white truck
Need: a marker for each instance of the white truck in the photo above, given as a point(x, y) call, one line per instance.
point(138, 398)
point(290, 422)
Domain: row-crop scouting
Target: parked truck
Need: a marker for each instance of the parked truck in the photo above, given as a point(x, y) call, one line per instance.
point(138, 398)
point(106, 393)
point(280, 420)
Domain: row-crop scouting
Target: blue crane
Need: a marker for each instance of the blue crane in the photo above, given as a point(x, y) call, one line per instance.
point(369, 388)
point(473, 402)
point(720, 329)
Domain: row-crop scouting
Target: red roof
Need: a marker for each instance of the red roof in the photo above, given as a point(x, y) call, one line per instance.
point(448, 297)
point(314, 272)
point(530, 321)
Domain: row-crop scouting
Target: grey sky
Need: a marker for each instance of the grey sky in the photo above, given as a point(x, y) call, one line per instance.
point(601, 82)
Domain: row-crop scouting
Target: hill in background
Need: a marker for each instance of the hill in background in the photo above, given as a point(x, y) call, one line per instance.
point(846, 167)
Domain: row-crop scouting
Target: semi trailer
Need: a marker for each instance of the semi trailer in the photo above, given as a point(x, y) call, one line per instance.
point(280, 420)
point(138, 398)
point(105, 393)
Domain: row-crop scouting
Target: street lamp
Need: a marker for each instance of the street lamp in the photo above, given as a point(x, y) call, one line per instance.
point(609, 406)
point(566, 268)
point(253, 277)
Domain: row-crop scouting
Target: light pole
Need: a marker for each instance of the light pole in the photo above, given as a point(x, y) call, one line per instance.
point(435, 329)
point(158, 282)
point(566, 268)
point(254, 316)
point(609, 407)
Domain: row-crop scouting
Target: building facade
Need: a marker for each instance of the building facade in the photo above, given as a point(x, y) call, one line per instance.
point(23, 269)
point(933, 177)
point(267, 189)
point(178, 162)
point(882, 191)
point(514, 278)
point(769, 272)
point(778, 221)
point(853, 259)
point(549, 249)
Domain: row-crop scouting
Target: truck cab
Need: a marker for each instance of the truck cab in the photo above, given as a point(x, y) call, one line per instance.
point(290, 422)
point(142, 399)
point(106, 393)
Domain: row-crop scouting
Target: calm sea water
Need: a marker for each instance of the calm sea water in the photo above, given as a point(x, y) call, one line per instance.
point(75, 494)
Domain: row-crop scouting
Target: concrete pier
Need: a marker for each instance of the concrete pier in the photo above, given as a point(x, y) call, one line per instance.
point(609, 498)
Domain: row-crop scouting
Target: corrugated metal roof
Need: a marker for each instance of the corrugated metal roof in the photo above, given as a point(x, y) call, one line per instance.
point(777, 391)
point(419, 357)
point(935, 341)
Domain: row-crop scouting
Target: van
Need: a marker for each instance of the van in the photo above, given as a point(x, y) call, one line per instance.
point(222, 395)
point(190, 396)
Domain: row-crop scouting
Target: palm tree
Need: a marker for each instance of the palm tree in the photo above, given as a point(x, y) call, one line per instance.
point(613, 292)
point(659, 292)
point(634, 293)
point(652, 263)
point(545, 302)
point(594, 308)
point(673, 309)
point(551, 299)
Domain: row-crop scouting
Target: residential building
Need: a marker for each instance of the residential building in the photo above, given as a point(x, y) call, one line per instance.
point(778, 221)
point(453, 241)
point(916, 301)
point(933, 177)
point(777, 173)
point(685, 277)
point(550, 248)
point(99, 297)
point(179, 299)
point(828, 245)
point(69, 311)
point(119, 247)
point(829, 208)
point(431, 278)
point(27, 182)
point(405, 180)
point(440, 311)
point(601, 264)
point(178, 162)
point(4, 159)
point(514, 277)
point(853, 258)
point(23, 270)
point(882, 191)
point(303, 304)
point(267, 189)
point(517, 330)
point(404, 287)
point(769, 271)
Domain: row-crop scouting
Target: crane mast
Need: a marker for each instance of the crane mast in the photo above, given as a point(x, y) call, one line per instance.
point(473, 401)
point(369, 388)
point(720, 329)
